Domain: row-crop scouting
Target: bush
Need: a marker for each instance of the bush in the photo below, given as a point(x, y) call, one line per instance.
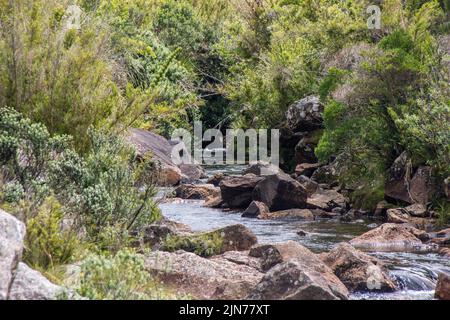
point(395, 102)
point(301, 36)
point(108, 187)
point(122, 277)
point(26, 150)
point(61, 77)
point(48, 242)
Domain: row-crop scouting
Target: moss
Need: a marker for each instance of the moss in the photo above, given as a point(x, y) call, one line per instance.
point(204, 244)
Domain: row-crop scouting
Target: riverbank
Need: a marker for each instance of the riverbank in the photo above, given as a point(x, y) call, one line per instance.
point(415, 273)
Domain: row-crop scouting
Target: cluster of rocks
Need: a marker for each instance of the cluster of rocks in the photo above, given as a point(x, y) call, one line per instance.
point(288, 270)
point(273, 196)
point(243, 269)
point(247, 270)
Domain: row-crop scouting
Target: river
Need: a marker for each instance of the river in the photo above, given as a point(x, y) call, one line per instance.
point(415, 273)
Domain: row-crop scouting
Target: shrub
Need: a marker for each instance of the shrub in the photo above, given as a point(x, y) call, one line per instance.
point(121, 277)
point(54, 75)
point(26, 149)
point(395, 103)
point(108, 187)
point(48, 243)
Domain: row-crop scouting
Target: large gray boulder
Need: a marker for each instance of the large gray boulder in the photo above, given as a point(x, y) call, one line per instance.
point(305, 114)
point(29, 284)
point(12, 233)
point(17, 280)
point(280, 192)
point(202, 278)
point(146, 142)
point(304, 277)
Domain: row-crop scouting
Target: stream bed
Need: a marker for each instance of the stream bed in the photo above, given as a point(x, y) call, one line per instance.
point(415, 273)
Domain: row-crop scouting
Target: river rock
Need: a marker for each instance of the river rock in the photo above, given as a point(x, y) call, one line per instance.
point(400, 185)
point(304, 277)
point(202, 278)
point(192, 172)
point(158, 231)
point(381, 209)
point(294, 214)
point(255, 209)
point(442, 237)
point(358, 271)
point(417, 210)
point(236, 238)
point(230, 238)
point(215, 179)
point(237, 190)
point(170, 176)
point(401, 215)
point(445, 252)
point(214, 201)
point(146, 142)
point(273, 254)
point(305, 114)
point(422, 186)
point(306, 169)
point(240, 257)
point(29, 284)
point(12, 233)
point(391, 237)
point(197, 191)
point(310, 186)
point(398, 216)
point(262, 169)
point(443, 287)
point(280, 192)
point(322, 214)
point(326, 200)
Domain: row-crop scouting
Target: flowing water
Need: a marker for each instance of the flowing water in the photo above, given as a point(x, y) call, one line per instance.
point(415, 273)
